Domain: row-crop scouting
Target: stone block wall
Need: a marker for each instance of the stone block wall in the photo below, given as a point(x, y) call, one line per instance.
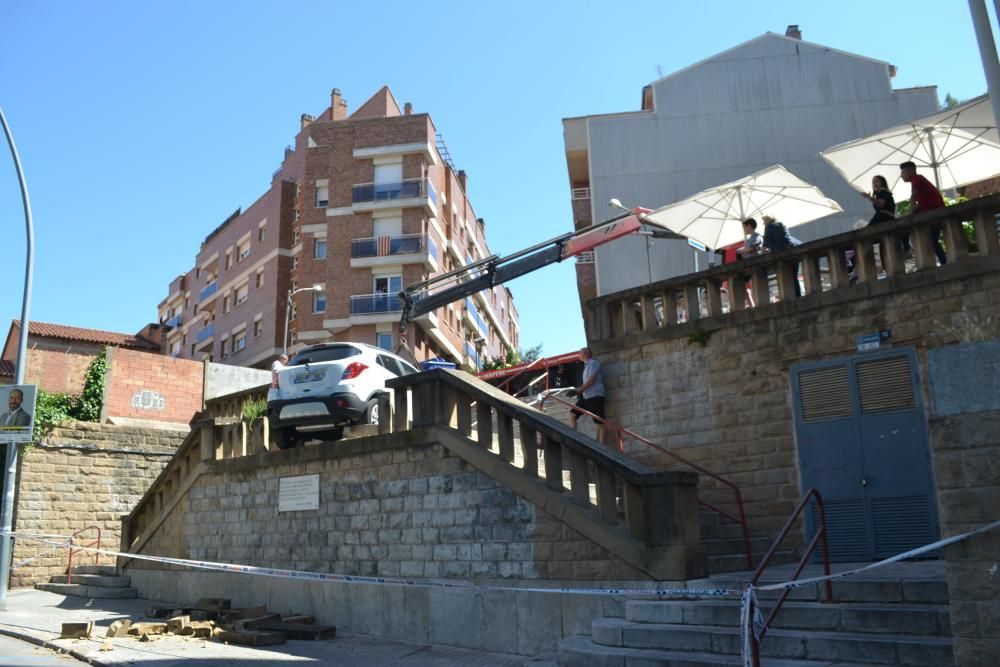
point(397, 505)
point(965, 444)
point(151, 387)
point(727, 405)
point(84, 474)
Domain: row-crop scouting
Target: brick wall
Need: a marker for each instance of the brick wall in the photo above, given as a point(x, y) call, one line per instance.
point(84, 474)
point(965, 443)
point(397, 506)
point(58, 366)
point(728, 405)
point(153, 387)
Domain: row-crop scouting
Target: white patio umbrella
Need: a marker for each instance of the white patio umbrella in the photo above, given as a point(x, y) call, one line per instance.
point(950, 148)
point(715, 216)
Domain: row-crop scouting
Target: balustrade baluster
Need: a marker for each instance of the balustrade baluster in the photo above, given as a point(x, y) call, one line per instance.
point(737, 292)
point(892, 256)
point(630, 322)
point(986, 233)
point(553, 464)
point(669, 299)
point(606, 502)
point(529, 447)
point(635, 512)
point(464, 409)
point(759, 286)
point(505, 436)
point(649, 312)
point(838, 268)
point(785, 275)
point(813, 283)
point(864, 261)
point(923, 247)
point(579, 477)
point(957, 244)
point(484, 424)
point(713, 296)
point(692, 303)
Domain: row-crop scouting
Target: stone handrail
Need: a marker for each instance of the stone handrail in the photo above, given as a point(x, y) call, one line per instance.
point(720, 292)
point(637, 509)
point(217, 433)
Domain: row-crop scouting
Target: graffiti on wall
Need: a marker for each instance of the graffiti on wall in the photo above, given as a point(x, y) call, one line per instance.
point(148, 400)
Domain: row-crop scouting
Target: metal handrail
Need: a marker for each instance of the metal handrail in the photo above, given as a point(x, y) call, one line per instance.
point(621, 430)
point(607, 422)
point(97, 543)
point(820, 534)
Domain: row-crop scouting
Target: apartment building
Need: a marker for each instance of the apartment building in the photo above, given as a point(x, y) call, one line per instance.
point(363, 204)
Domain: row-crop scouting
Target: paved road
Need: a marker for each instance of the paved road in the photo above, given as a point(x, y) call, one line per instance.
point(17, 653)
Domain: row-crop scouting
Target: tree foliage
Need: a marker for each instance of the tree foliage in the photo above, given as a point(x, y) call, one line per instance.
point(512, 358)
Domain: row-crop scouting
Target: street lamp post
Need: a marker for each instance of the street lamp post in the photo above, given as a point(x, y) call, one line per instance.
point(318, 287)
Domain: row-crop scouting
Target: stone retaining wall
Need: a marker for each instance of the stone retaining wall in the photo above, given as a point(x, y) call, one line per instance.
point(84, 474)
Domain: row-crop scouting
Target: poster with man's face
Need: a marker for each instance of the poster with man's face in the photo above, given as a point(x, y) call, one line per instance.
point(17, 412)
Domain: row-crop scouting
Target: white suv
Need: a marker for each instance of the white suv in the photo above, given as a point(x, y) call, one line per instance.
point(327, 386)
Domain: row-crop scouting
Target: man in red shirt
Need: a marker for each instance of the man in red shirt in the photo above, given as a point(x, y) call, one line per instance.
point(924, 197)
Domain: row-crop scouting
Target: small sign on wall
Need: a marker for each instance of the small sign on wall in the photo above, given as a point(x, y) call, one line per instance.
point(298, 493)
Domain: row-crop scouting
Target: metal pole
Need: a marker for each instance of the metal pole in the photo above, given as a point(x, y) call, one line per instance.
point(10, 471)
point(988, 51)
point(288, 312)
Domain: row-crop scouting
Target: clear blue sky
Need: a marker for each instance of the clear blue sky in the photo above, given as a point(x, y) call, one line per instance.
point(142, 125)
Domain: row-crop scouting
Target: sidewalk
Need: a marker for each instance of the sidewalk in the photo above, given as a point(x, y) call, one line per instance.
point(37, 616)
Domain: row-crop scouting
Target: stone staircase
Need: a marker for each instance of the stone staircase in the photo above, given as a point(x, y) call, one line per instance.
point(873, 621)
point(91, 581)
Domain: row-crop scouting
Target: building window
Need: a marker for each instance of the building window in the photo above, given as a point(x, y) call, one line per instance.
point(225, 304)
point(243, 251)
point(319, 249)
point(384, 340)
point(197, 272)
point(260, 233)
point(319, 302)
point(295, 235)
point(260, 279)
point(258, 327)
point(241, 294)
point(294, 310)
point(239, 341)
point(295, 262)
point(296, 216)
point(229, 259)
point(224, 348)
point(322, 195)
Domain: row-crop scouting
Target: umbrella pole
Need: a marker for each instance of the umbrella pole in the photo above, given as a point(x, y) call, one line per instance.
point(987, 51)
point(934, 162)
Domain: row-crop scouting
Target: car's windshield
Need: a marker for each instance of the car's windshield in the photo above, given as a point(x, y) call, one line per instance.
point(328, 353)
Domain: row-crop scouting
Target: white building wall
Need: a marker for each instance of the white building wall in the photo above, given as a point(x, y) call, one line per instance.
point(771, 101)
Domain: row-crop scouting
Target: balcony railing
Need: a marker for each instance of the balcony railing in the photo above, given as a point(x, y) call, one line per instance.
point(208, 290)
point(411, 188)
point(470, 352)
point(804, 273)
point(474, 315)
point(175, 321)
point(382, 246)
point(374, 304)
point(204, 334)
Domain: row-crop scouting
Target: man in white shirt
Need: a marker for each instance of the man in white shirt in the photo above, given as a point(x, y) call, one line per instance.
point(590, 394)
point(279, 364)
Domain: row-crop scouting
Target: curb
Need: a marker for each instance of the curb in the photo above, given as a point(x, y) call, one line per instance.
point(45, 643)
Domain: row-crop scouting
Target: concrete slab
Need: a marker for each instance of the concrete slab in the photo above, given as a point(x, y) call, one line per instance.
point(36, 617)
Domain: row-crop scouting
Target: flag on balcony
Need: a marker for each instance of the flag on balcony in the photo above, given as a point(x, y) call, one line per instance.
point(382, 245)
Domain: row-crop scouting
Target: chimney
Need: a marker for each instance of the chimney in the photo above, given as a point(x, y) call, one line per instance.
point(407, 109)
point(793, 32)
point(338, 105)
point(305, 121)
point(462, 180)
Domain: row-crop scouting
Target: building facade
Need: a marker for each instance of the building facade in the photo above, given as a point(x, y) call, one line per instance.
point(773, 100)
point(363, 205)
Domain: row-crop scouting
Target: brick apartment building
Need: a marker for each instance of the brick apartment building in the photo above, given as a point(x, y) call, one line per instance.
point(362, 205)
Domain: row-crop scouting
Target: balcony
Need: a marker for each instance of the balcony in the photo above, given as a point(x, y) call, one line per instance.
point(375, 304)
point(471, 314)
point(175, 321)
point(384, 250)
point(470, 354)
point(403, 194)
point(204, 334)
point(208, 290)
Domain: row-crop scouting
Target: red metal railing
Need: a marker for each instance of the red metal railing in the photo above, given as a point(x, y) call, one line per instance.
point(820, 535)
point(514, 372)
point(97, 543)
point(621, 431)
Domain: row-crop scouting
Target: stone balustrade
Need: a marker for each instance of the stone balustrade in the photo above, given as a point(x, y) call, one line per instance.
point(802, 274)
point(217, 433)
point(625, 506)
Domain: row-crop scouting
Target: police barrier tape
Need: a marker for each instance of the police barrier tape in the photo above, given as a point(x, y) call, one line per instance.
point(752, 624)
point(389, 581)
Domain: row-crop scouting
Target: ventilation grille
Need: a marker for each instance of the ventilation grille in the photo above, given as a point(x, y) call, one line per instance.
point(901, 524)
point(825, 393)
point(885, 385)
point(845, 530)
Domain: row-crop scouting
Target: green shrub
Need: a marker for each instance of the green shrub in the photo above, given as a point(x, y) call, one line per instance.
point(92, 399)
point(254, 409)
point(51, 409)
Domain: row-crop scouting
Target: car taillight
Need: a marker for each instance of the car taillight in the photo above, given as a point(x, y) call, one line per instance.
point(353, 370)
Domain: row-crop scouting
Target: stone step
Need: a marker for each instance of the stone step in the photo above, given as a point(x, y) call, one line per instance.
point(581, 652)
point(84, 591)
point(104, 581)
point(919, 619)
point(736, 561)
point(881, 649)
point(916, 591)
point(106, 570)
